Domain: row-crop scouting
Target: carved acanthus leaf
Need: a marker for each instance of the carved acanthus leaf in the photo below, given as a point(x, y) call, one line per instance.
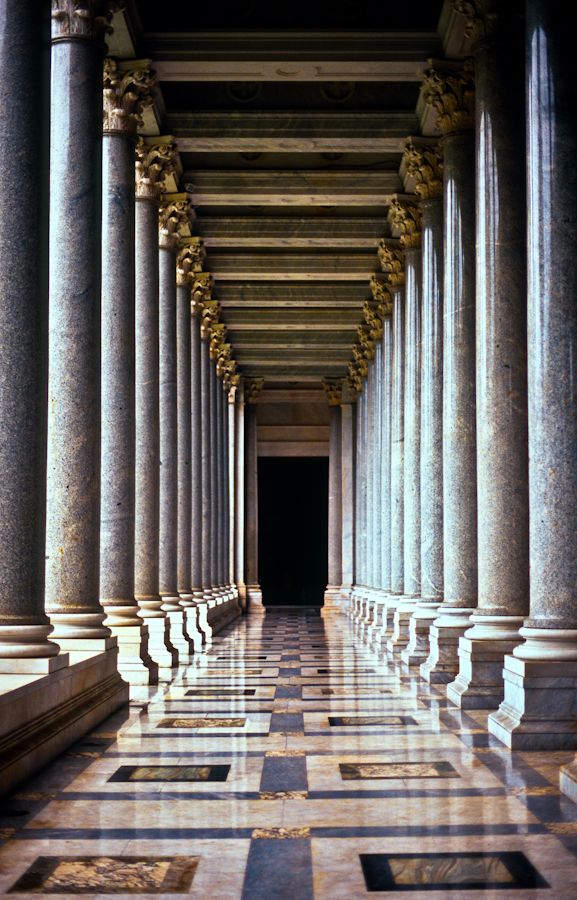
point(373, 320)
point(189, 260)
point(173, 216)
point(366, 342)
point(252, 388)
point(481, 17)
point(424, 163)
point(333, 389)
point(201, 292)
point(392, 261)
point(383, 301)
point(127, 89)
point(217, 338)
point(406, 221)
point(208, 318)
point(155, 161)
point(450, 90)
point(83, 20)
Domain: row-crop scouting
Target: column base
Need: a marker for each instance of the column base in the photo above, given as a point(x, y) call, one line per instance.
point(35, 665)
point(442, 665)
point(241, 591)
point(401, 622)
point(388, 618)
point(178, 636)
point(164, 654)
point(47, 713)
point(417, 650)
point(254, 598)
point(134, 660)
point(192, 628)
point(568, 780)
point(539, 710)
point(482, 651)
point(333, 597)
point(375, 630)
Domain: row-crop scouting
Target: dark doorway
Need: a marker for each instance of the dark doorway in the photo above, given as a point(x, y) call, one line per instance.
point(293, 530)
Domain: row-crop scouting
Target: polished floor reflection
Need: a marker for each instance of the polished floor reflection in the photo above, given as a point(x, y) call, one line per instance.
point(290, 761)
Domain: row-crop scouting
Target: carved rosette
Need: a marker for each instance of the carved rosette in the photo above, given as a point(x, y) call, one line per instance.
point(201, 292)
point(173, 215)
point(450, 90)
point(381, 295)
point(406, 219)
point(424, 163)
point(392, 261)
point(155, 161)
point(334, 390)
point(127, 90)
point(481, 16)
point(82, 20)
point(189, 260)
point(252, 388)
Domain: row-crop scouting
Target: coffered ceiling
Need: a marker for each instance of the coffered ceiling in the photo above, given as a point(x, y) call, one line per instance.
point(290, 120)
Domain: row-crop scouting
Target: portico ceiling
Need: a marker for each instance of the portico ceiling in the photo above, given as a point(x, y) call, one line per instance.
point(290, 121)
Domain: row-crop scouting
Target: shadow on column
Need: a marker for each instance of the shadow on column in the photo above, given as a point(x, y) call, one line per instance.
point(293, 530)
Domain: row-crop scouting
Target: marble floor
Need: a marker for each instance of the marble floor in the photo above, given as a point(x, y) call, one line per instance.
point(291, 762)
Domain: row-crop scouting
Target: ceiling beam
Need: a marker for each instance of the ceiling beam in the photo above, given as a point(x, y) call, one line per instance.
point(293, 266)
point(298, 233)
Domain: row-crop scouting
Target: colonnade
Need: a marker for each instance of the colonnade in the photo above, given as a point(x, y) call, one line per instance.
point(121, 416)
point(474, 452)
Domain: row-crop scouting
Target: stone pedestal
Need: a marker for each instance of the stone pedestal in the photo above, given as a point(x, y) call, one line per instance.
point(482, 649)
point(442, 664)
point(418, 648)
point(402, 616)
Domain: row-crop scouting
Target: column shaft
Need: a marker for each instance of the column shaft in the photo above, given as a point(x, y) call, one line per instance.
point(207, 549)
point(335, 576)
point(239, 498)
point(184, 448)
point(196, 413)
point(24, 627)
point(251, 506)
point(386, 398)
point(348, 496)
point(397, 443)
point(412, 426)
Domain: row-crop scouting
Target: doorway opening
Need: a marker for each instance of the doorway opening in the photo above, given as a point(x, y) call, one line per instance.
point(293, 497)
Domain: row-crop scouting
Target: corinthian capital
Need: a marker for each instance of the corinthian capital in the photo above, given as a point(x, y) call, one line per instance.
point(373, 320)
point(155, 161)
point(252, 388)
point(173, 216)
point(190, 259)
point(424, 164)
point(381, 297)
point(127, 90)
point(82, 20)
point(406, 221)
point(334, 390)
point(208, 318)
point(449, 88)
point(481, 15)
point(366, 345)
point(217, 339)
point(201, 292)
point(392, 261)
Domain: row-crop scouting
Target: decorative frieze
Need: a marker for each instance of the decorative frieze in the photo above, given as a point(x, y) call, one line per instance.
point(423, 162)
point(449, 88)
point(127, 90)
point(82, 20)
point(155, 161)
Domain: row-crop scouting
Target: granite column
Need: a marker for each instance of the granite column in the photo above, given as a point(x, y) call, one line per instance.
point(502, 476)
point(239, 493)
point(335, 575)
point(253, 591)
point(450, 90)
point(24, 627)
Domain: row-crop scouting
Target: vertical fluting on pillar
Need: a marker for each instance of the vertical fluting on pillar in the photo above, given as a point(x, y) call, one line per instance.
point(423, 161)
point(239, 495)
point(541, 676)
point(173, 216)
point(127, 90)
point(24, 627)
point(254, 594)
point(73, 466)
point(333, 390)
point(449, 88)
point(154, 162)
point(502, 464)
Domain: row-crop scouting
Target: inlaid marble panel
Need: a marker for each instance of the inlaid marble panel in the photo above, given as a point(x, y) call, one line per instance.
point(107, 875)
point(370, 770)
point(171, 773)
point(201, 723)
point(449, 871)
point(359, 721)
point(222, 692)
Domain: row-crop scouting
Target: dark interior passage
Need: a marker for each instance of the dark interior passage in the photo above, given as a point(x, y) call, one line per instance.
point(293, 530)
